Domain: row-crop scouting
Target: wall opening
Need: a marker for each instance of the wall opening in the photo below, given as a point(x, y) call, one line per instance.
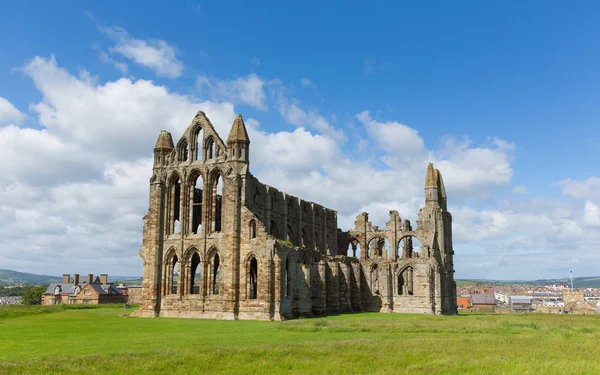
point(409, 247)
point(253, 279)
point(218, 202)
point(195, 274)
point(175, 205)
point(252, 229)
point(274, 229)
point(374, 279)
point(174, 274)
point(199, 141)
point(197, 206)
point(405, 282)
point(216, 274)
point(288, 278)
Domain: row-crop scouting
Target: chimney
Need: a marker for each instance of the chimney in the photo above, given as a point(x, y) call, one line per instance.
point(90, 278)
point(103, 278)
point(76, 279)
point(66, 278)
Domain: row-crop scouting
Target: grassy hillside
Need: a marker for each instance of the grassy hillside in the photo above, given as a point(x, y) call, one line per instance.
point(55, 340)
point(8, 277)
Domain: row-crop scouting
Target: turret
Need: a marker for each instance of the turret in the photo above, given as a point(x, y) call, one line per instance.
point(431, 187)
point(238, 142)
point(164, 146)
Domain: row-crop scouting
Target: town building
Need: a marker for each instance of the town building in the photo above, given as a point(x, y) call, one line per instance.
point(483, 303)
point(94, 290)
point(218, 243)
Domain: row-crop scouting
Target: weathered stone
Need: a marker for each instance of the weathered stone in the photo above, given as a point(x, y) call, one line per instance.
point(263, 254)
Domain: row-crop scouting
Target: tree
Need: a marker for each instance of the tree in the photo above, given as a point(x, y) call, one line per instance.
point(33, 296)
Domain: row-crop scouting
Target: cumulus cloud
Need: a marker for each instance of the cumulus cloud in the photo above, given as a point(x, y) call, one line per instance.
point(290, 111)
point(248, 90)
point(119, 119)
point(86, 199)
point(591, 214)
point(155, 54)
point(584, 189)
point(9, 113)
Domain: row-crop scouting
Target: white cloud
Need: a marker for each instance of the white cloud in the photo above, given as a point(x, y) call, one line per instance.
point(155, 54)
point(119, 119)
point(307, 83)
point(520, 189)
point(248, 90)
point(585, 189)
point(393, 137)
point(9, 113)
point(291, 112)
point(591, 214)
point(85, 201)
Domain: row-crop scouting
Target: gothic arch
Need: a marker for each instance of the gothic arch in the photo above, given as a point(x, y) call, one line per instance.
point(183, 150)
point(252, 269)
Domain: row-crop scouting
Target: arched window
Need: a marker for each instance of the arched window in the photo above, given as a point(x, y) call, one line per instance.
point(210, 148)
point(288, 278)
point(376, 247)
point(409, 247)
point(175, 209)
point(174, 271)
point(274, 229)
point(253, 279)
point(215, 276)
point(199, 141)
point(353, 246)
point(252, 229)
point(317, 241)
point(197, 205)
point(183, 150)
point(405, 282)
point(374, 279)
point(195, 279)
point(217, 202)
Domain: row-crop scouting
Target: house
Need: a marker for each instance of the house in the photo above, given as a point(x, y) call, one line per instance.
point(483, 303)
point(93, 291)
point(521, 304)
point(463, 303)
point(579, 308)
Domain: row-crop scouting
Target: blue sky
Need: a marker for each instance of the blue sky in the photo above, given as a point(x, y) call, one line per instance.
point(502, 95)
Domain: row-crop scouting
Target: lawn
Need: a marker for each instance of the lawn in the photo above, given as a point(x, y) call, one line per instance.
point(105, 341)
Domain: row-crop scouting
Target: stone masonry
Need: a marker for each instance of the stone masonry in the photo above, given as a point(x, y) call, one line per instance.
point(218, 243)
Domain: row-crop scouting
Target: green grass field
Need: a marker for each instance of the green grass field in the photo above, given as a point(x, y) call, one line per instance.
point(59, 340)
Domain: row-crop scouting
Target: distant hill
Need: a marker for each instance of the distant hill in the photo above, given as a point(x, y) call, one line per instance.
point(8, 277)
point(578, 282)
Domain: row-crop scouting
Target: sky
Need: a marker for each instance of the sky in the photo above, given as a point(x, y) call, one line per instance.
point(346, 103)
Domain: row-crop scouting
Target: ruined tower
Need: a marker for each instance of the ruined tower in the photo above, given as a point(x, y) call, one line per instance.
point(218, 243)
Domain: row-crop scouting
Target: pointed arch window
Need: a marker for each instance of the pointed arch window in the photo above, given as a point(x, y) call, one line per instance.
point(216, 268)
point(405, 282)
point(374, 279)
point(253, 278)
point(288, 278)
point(175, 205)
point(173, 275)
point(196, 210)
point(195, 269)
point(217, 203)
point(210, 148)
point(274, 229)
point(199, 136)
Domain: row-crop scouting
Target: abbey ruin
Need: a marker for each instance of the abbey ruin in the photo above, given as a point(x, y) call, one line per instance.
point(218, 243)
